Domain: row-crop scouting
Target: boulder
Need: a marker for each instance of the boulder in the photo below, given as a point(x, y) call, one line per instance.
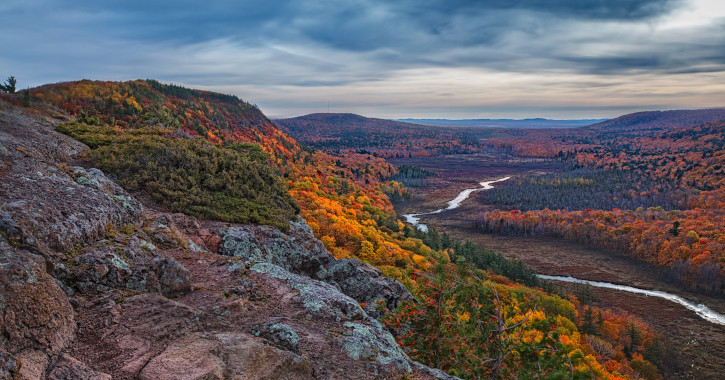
point(221, 356)
point(37, 138)
point(69, 368)
point(298, 252)
point(34, 312)
point(432, 372)
point(373, 342)
point(47, 205)
point(365, 283)
point(110, 265)
point(318, 298)
point(173, 278)
point(54, 210)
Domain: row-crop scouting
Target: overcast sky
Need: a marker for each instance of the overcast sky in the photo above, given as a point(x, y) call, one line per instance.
point(393, 59)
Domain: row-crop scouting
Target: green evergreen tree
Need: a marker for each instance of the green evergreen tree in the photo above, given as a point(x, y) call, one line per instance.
point(588, 324)
point(9, 85)
point(26, 98)
point(635, 340)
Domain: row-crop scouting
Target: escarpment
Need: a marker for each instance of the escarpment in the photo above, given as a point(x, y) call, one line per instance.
point(96, 285)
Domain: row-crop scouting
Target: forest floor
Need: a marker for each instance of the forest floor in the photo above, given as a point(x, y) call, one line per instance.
point(696, 347)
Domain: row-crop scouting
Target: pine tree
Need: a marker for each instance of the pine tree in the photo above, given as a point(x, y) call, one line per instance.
point(9, 85)
point(588, 324)
point(26, 98)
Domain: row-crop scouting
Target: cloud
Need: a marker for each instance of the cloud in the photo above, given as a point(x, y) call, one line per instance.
point(374, 51)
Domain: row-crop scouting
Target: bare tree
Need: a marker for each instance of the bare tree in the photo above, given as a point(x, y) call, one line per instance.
point(501, 333)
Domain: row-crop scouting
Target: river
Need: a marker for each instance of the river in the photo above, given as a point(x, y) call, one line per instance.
point(414, 219)
point(701, 310)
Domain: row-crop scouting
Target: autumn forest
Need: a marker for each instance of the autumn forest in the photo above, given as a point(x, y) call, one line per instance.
point(649, 187)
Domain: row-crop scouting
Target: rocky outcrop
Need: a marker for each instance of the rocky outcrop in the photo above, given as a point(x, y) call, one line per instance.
point(174, 279)
point(366, 284)
point(279, 335)
point(301, 253)
point(68, 367)
point(319, 298)
point(224, 356)
point(36, 319)
point(298, 252)
point(124, 262)
point(47, 205)
point(373, 342)
point(95, 286)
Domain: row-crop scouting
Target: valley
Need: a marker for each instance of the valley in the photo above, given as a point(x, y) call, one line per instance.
point(695, 345)
point(362, 190)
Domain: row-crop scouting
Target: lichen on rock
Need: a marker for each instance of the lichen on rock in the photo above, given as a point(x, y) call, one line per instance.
point(279, 335)
point(318, 297)
point(365, 283)
point(298, 252)
point(373, 342)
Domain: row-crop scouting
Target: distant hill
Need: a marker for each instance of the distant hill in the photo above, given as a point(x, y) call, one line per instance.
point(326, 124)
point(537, 123)
point(387, 138)
point(659, 120)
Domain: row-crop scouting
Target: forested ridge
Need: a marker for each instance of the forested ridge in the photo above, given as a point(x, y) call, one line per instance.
point(383, 138)
point(477, 313)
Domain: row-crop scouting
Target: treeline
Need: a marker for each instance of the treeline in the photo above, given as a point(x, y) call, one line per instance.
point(583, 188)
point(148, 102)
point(412, 176)
point(677, 240)
point(475, 254)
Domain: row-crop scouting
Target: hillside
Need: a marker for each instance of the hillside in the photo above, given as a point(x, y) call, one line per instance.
point(131, 279)
point(97, 285)
point(384, 138)
point(651, 121)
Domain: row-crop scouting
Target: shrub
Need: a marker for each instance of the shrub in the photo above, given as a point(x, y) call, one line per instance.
point(192, 176)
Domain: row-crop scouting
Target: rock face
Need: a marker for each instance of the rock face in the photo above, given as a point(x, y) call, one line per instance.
point(224, 356)
point(296, 252)
point(36, 319)
point(48, 204)
point(301, 253)
point(366, 284)
point(95, 286)
point(319, 298)
point(68, 367)
point(279, 335)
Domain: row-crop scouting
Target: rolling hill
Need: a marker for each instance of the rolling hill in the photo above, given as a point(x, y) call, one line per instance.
point(384, 138)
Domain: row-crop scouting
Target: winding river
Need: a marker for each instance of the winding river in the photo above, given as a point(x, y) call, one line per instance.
point(703, 311)
point(414, 219)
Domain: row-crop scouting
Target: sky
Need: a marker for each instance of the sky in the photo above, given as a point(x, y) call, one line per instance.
point(451, 59)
